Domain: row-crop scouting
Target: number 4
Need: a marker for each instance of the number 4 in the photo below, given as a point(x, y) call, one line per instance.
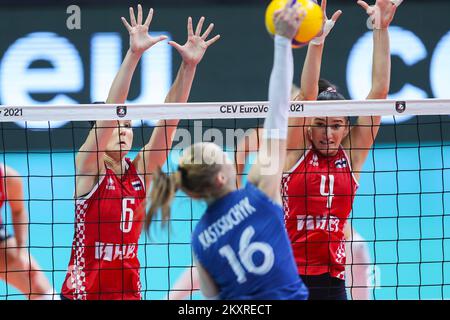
point(330, 193)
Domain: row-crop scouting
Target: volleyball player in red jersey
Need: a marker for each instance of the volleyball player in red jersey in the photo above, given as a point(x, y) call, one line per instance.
point(321, 178)
point(110, 188)
point(324, 268)
point(17, 267)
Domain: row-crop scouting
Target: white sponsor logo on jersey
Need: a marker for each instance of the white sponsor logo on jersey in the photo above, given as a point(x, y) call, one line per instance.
point(328, 223)
point(110, 185)
point(314, 161)
point(113, 251)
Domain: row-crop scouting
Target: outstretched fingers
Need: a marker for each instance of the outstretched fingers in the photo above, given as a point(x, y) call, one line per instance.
point(208, 31)
point(139, 16)
point(363, 4)
point(126, 24)
point(323, 5)
point(177, 46)
point(160, 38)
point(199, 26)
point(132, 17)
point(213, 40)
point(149, 18)
point(190, 28)
point(336, 15)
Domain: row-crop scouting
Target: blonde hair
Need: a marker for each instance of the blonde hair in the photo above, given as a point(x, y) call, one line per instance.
point(194, 175)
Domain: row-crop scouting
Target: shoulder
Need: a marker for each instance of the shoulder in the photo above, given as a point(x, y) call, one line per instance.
point(11, 175)
point(134, 166)
point(12, 180)
point(295, 158)
point(8, 171)
point(345, 157)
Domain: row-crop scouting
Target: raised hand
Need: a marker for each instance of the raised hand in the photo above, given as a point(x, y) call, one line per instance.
point(328, 24)
point(195, 47)
point(140, 39)
point(382, 13)
point(288, 20)
point(335, 15)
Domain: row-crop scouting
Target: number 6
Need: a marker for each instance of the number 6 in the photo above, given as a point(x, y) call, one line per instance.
point(126, 221)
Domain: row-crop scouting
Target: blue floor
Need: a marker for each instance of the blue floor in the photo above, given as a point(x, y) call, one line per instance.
point(403, 213)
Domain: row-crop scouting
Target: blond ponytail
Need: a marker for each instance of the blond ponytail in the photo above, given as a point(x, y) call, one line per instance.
point(163, 191)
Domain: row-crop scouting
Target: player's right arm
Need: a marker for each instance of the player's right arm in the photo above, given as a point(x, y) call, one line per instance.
point(90, 158)
point(19, 215)
point(266, 173)
point(309, 88)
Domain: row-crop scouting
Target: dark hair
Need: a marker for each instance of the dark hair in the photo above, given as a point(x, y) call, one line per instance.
point(328, 91)
point(92, 123)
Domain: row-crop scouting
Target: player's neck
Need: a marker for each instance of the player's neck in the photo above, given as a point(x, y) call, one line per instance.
point(118, 166)
point(219, 195)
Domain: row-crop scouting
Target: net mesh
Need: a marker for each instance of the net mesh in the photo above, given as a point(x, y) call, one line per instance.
point(400, 215)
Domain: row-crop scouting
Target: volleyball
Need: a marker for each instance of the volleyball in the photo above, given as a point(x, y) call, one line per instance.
point(310, 27)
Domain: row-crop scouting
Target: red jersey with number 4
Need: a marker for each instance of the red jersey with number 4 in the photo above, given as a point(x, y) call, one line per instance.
point(104, 263)
point(318, 194)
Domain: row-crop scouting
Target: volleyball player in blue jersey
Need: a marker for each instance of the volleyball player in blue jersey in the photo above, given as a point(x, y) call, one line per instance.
point(240, 245)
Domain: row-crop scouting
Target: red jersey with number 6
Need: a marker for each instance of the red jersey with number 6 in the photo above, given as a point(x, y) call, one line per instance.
point(318, 194)
point(104, 264)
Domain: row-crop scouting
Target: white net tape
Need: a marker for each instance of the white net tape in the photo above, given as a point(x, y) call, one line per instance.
point(221, 110)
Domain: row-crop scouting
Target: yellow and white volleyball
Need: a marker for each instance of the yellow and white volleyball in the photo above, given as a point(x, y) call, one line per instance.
point(311, 26)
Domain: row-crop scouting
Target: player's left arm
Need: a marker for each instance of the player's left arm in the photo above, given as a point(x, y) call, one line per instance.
point(19, 215)
point(155, 152)
point(362, 136)
point(309, 88)
point(208, 287)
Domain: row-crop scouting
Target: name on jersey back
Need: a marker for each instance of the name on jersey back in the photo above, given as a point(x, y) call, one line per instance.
point(234, 216)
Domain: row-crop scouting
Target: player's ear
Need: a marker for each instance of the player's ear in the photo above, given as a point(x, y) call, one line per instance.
point(347, 127)
point(309, 132)
point(220, 179)
point(347, 131)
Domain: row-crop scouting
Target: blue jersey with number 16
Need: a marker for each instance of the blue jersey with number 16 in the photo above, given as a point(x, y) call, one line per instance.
point(241, 241)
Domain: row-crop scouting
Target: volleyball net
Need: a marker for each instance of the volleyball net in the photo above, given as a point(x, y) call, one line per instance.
point(400, 216)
